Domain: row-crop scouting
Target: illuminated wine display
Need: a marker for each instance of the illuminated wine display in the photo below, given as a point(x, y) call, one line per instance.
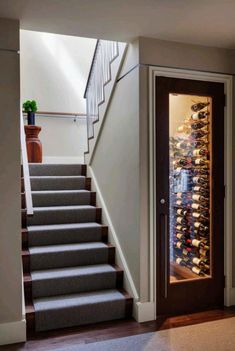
point(190, 193)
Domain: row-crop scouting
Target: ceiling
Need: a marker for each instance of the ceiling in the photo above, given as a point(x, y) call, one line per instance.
point(205, 22)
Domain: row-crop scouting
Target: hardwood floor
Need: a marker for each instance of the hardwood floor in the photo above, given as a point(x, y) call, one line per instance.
point(52, 340)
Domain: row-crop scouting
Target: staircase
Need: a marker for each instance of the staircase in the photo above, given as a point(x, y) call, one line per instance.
point(70, 276)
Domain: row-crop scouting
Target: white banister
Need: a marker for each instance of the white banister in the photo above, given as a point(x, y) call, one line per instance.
point(100, 74)
point(27, 184)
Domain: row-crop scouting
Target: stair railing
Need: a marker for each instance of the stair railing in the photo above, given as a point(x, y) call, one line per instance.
point(24, 157)
point(100, 74)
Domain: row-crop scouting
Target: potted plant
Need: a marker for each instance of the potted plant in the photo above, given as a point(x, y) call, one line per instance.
point(30, 107)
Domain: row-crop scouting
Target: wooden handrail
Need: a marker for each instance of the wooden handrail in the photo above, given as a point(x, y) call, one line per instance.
point(27, 184)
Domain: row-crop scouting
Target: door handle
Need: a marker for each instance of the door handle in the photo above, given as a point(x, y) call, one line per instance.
point(164, 235)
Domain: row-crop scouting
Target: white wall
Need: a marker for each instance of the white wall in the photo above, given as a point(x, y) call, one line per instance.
point(54, 71)
point(12, 324)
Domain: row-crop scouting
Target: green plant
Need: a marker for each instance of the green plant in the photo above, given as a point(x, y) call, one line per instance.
point(30, 106)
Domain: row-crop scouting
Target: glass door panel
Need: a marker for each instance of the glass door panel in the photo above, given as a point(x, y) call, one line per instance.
point(189, 182)
point(189, 195)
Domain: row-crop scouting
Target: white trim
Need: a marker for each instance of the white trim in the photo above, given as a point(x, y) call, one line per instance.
point(129, 284)
point(196, 75)
point(13, 332)
point(63, 159)
point(232, 294)
point(144, 311)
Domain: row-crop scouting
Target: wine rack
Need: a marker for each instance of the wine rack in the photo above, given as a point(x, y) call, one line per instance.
point(190, 192)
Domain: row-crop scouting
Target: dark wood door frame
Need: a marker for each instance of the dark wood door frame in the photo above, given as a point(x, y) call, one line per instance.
point(162, 95)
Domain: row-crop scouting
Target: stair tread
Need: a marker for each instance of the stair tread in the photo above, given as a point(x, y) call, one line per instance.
point(81, 299)
point(73, 207)
point(63, 208)
point(55, 164)
point(78, 191)
point(59, 176)
point(46, 227)
point(71, 271)
point(67, 247)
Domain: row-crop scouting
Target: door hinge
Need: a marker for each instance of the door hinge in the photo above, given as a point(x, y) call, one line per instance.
point(224, 281)
point(225, 100)
point(224, 191)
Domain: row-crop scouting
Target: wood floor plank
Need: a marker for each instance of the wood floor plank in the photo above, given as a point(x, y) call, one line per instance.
point(52, 340)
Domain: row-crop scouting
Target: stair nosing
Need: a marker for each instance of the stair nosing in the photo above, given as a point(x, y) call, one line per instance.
point(76, 269)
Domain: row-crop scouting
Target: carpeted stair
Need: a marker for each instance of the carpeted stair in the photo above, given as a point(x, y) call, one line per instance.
point(70, 276)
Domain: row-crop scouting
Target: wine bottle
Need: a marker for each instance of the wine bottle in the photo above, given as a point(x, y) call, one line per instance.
point(181, 228)
point(181, 162)
point(181, 236)
point(183, 262)
point(199, 115)
point(199, 106)
point(181, 245)
point(198, 271)
point(182, 145)
point(181, 212)
point(200, 152)
point(200, 206)
point(200, 162)
point(200, 244)
point(201, 190)
point(199, 125)
point(201, 262)
point(188, 253)
point(179, 195)
point(201, 227)
point(203, 217)
point(199, 143)
point(202, 180)
point(200, 198)
point(181, 220)
point(198, 134)
point(204, 253)
point(201, 171)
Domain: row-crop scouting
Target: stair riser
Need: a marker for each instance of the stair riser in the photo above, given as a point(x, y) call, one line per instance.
point(67, 236)
point(57, 170)
point(71, 258)
point(70, 285)
point(67, 199)
point(80, 315)
point(58, 184)
point(64, 216)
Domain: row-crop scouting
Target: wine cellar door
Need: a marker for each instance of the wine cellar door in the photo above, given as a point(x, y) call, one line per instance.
point(189, 195)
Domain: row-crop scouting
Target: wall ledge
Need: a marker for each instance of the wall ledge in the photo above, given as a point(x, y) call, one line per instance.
point(13, 332)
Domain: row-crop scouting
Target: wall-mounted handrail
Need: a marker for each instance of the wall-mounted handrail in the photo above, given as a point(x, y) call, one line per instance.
point(60, 115)
point(100, 75)
point(24, 156)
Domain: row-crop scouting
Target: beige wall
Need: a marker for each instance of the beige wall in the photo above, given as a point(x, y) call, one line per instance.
point(115, 164)
point(10, 213)
point(175, 55)
point(54, 70)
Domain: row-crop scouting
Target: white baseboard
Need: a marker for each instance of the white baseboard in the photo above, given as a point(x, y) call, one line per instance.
point(63, 159)
point(232, 297)
point(144, 311)
point(13, 332)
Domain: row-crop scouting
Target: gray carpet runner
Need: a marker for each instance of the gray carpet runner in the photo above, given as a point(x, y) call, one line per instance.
point(73, 281)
